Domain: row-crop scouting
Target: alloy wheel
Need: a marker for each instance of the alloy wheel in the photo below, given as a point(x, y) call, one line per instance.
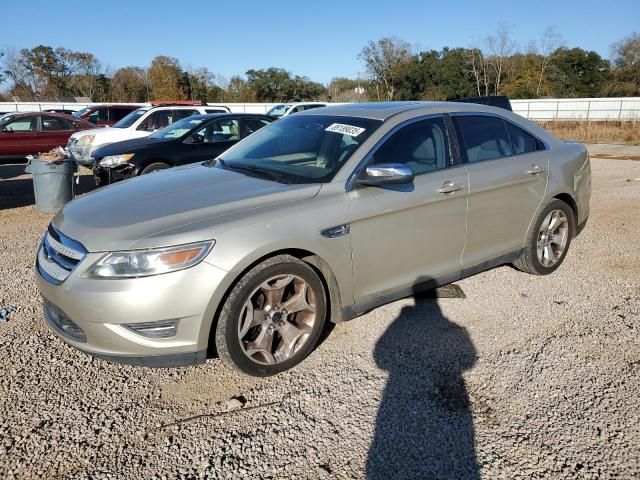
point(552, 238)
point(277, 319)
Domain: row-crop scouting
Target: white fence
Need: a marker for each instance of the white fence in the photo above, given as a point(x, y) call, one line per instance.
point(627, 108)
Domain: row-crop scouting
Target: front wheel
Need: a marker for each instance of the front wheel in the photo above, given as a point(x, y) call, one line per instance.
point(549, 239)
point(154, 167)
point(273, 317)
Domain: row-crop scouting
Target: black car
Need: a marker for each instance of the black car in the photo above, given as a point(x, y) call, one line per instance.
point(193, 139)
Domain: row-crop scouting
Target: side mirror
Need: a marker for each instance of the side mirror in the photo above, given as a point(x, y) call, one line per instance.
point(386, 174)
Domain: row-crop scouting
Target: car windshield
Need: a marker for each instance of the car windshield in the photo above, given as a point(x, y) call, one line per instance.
point(177, 129)
point(300, 148)
point(278, 110)
point(130, 119)
point(81, 112)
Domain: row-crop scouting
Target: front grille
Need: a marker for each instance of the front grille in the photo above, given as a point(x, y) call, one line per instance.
point(58, 256)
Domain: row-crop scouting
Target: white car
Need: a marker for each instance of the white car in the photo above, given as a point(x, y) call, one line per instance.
point(139, 123)
point(284, 109)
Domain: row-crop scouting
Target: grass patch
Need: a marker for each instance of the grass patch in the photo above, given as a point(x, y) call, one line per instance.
point(596, 132)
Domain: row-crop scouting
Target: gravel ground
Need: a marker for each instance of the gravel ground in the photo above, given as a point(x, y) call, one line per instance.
point(526, 377)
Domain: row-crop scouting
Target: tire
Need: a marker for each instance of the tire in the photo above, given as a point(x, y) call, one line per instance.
point(154, 167)
point(254, 341)
point(529, 260)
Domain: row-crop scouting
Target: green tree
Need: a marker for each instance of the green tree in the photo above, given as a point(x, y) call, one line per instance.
point(625, 77)
point(384, 61)
point(166, 79)
point(579, 73)
point(278, 85)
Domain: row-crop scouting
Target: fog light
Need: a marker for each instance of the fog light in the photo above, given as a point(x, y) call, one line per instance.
point(162, 329)
point(63, 323)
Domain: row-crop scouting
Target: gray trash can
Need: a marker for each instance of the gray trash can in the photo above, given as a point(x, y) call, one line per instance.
point(52, 183)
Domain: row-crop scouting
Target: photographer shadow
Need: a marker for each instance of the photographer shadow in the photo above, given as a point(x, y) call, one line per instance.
point(424, 426)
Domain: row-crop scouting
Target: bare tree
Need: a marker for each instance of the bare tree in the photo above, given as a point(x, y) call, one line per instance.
point(383, 60)
point(24, 82)
point(500, 47)
point(626, 52)
point(549, 44)
point(478, 66)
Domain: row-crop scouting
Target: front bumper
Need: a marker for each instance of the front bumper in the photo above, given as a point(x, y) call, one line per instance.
point(101, 308)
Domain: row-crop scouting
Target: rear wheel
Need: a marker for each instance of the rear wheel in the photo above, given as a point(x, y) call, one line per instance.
point(272, 318)
point(154, 167)
point(549, 239)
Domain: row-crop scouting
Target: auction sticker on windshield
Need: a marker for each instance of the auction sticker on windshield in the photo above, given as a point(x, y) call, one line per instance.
point(345, 129)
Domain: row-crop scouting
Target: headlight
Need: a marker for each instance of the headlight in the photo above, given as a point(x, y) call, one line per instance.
point(143, 263)
point(115, 160)
point(85, 140)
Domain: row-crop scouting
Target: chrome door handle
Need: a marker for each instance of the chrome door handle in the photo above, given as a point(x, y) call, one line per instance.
point(535, 169)
point(450, 187)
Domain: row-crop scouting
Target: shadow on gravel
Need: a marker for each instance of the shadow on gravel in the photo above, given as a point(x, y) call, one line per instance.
point(424, 427)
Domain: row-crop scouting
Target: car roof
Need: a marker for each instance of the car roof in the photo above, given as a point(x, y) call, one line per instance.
point(50, 114)
point(384, 110)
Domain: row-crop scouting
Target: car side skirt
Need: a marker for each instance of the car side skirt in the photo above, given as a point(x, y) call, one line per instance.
point(358, 309)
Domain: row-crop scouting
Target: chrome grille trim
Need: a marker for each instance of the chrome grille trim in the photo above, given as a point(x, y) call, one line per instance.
point(60, 248)
point(58, 256)
point(51, 268)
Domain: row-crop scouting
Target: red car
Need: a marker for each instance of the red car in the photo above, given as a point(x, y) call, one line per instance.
point(23, 134)
point(105, 115)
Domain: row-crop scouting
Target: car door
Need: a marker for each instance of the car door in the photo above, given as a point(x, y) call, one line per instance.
point(19, 137)
point(211, 140)
point(405, 234)
point(507, 178)
point(55, 132)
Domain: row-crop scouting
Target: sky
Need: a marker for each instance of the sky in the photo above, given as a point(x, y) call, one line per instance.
point(320, 39)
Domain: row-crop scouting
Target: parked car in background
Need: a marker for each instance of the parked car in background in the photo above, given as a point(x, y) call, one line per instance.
point(142, 122)
point(284, 109)
point(500, 101)
point(23, 134)
point(105, 115)
point(320, 216)
point(193, 139)
point(60, 110)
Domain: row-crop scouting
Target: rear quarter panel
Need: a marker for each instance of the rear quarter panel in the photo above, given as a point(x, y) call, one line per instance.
point(570, 173)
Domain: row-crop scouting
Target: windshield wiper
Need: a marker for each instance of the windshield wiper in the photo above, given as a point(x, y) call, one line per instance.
point(255, 170)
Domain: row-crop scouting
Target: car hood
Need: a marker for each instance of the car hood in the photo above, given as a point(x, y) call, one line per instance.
point(179, 205)
point(104, 134)
point(130, 146)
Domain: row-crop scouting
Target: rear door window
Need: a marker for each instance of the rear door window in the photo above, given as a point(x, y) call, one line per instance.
point(482, 137)
point(52, 124)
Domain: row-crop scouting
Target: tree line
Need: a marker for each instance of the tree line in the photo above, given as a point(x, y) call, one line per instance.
point(394, 70)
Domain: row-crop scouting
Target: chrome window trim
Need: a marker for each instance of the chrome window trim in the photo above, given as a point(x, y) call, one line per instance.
point(349, 186)
point(505, 120)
